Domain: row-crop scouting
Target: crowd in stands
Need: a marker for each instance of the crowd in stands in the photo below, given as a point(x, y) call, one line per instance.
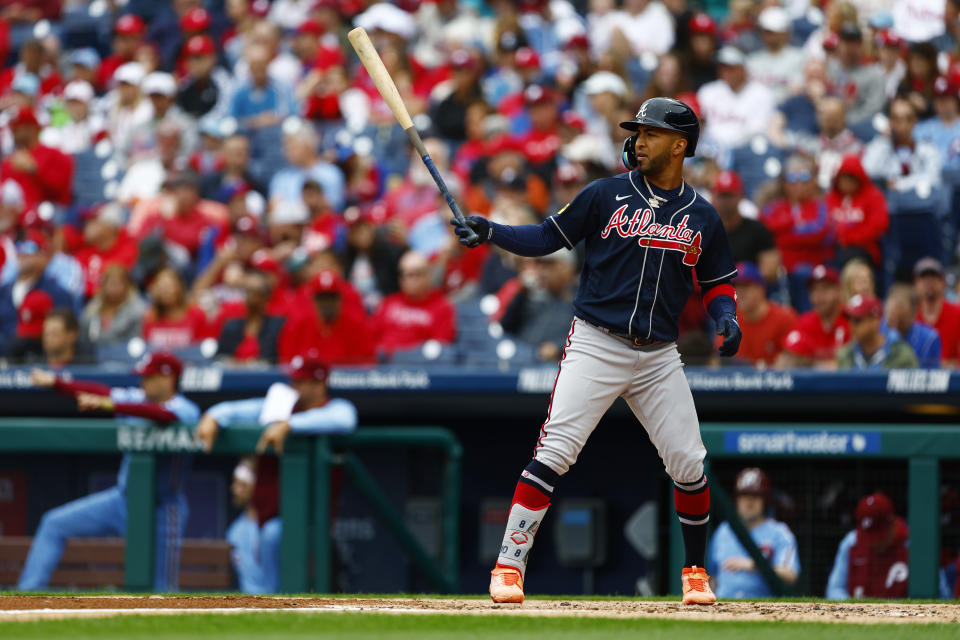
point(223, 179)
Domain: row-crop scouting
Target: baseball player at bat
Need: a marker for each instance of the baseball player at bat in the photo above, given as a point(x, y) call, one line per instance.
point(155, 402)
point(646, 232)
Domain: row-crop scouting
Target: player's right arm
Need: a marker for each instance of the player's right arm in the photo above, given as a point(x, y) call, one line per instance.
point(49, 380)
point(223, 415)
point(837, 582)
point(563, 229)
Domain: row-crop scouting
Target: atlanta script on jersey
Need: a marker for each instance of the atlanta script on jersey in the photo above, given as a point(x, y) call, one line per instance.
point(642, 247)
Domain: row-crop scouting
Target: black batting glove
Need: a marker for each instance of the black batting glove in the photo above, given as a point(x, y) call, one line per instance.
point(728, 328)
point(478, 225)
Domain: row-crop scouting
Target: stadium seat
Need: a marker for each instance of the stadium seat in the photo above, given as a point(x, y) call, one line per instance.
point(432, 353)
point(503, 353)
point(757, 163)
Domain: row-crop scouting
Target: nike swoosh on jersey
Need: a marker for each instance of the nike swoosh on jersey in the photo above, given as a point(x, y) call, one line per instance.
point(619, 198)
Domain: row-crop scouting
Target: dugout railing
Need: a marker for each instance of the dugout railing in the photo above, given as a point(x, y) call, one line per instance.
point(305, 495)
point(921, 447)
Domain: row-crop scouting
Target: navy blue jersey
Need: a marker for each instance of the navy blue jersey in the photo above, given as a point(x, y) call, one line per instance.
point(640, 258)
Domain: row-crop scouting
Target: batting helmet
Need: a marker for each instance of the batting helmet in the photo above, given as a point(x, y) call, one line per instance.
point(753, 482)
point(662, 113)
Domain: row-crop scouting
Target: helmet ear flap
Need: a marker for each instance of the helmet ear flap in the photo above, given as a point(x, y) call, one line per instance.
point(629, 155)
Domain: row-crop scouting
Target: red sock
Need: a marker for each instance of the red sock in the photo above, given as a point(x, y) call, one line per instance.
point(530, 497)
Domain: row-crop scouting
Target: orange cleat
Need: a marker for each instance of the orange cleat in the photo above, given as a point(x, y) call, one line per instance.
point(506, 585)
point(696, 586)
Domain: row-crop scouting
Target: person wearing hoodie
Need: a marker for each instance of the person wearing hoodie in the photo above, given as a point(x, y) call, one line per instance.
point(858, 211)
point(801, 226)
point(899, 160)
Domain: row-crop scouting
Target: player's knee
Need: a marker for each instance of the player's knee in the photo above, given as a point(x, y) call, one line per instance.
point(51, 523)
point(686, 466)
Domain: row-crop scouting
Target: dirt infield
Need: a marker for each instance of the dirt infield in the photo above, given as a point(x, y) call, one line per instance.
point(52, 607)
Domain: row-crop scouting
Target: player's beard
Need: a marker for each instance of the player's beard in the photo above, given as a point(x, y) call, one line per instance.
point(655, 164)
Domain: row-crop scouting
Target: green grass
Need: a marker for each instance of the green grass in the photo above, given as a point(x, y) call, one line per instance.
point(462, 596)
point(361, 626)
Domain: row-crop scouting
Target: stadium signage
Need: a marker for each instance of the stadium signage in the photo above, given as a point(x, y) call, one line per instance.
point(740, 380)
point(171, 439)
point(918, 381)
point(375, 379)
point(802, 442)
point(201, 379)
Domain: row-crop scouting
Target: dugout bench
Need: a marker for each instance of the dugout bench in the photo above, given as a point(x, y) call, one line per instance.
point(922, 446)
point(304, 491)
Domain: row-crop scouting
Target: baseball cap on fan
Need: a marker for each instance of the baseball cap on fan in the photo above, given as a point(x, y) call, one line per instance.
point(875, 515)
point(730, 56)
point(159, 363)
point(823, 273)
point(774, 19)
point(309, 366)
point(727, 183)
point(861, 306)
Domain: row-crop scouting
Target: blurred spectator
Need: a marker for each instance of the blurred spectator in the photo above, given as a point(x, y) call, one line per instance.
point(801, 226)
point(205, 89)
point(235, 174)
point(161, 89)
point(917, 84)
point(943, 131)
point(870, 347)
point(858, 210)
point(325, 228)
point(42, 172)
point(765, 324)
point(889, 47)
point(81, 128)
point(700, 64)
point(105, 242)
point(330, 318)
point(935, 310)
point(860, 83)
point(899, 160)
point(249, 557)
point(734, 109)
point(284, 68)
point(729, 563)
point(669, 80)
point(834, 141)
point(750, 240)
point(900, 313)
point(461, 269)
point(542, 142)
point(449, 114)
point(26, 12)
point(638, 16)
point(300, 144)
point(129, 111)
point(260, 101)
point(127, 36)
point(182, 217)
point(824, 328)
point(540, 313)
point(145, 176)
point(779, 65)
point(84, 63)
point(415, 314)
point(370, 261)
point(35, 63)
point(27, 346)
point(856, 277)
point(796, 119)
point(254, 336)
point(171, 322)
point(33, 257)
point(115, 313)
point(61, 344)
point(871, 560)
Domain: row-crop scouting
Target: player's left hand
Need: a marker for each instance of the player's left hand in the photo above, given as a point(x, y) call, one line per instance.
point(275, 434)
point(93, 402)
point(728, 328)
point(475, 224)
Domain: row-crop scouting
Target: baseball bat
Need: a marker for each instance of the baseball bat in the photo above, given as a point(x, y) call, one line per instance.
point(388, 90)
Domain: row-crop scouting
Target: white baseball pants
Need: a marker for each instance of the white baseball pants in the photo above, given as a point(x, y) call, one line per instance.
point(597, 368)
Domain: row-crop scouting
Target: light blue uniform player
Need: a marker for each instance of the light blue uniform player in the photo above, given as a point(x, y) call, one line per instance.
point(105, 513)
point(302, 407)
point(256, 549)
point(730, 564)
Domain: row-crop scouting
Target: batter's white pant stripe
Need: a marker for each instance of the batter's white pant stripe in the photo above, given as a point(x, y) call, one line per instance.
point(563, 356)
point(685, 521)
point(692, 487)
